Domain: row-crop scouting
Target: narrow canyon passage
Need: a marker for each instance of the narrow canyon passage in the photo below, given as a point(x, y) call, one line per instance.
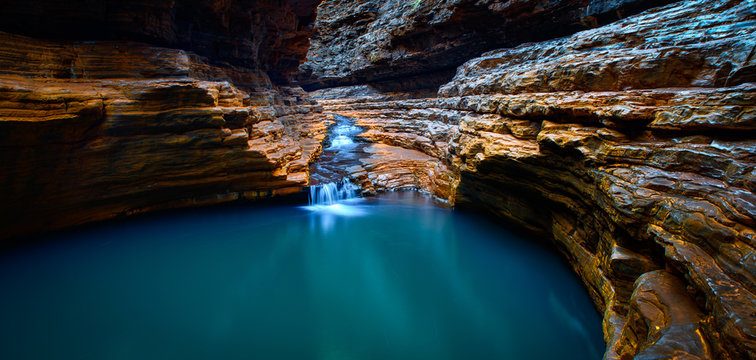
point(620, 135)
point(342, 150)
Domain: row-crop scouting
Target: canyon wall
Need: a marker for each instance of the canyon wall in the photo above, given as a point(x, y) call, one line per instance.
point(630, 145)
point(271, 35)
point(94, 125)
point(416, 44)
point(623, 130)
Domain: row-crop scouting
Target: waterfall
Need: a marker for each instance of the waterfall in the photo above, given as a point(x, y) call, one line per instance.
point(331, 193)
point(330, 175)
point(343, 134)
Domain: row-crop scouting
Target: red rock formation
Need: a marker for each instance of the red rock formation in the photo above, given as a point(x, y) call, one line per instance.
point(665, 322)
point(91, 130)
point(631, 146)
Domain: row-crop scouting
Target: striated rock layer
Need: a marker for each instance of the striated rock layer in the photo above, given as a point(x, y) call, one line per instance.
point(90, 130)
point(272, 35)
point(399, 45)
point(630, 145)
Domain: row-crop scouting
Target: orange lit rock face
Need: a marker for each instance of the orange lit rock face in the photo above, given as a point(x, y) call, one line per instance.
point(95, 125)
point(124, 128)
point(631, 146)
point(664, 320)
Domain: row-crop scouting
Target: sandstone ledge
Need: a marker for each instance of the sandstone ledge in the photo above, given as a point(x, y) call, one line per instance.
point(632, 147)
point(127, 128)
point(598, 182)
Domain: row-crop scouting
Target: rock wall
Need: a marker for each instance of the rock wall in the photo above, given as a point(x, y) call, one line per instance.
point(272, 35)
point(417, 44)
point(94, 129)
point(630, 145)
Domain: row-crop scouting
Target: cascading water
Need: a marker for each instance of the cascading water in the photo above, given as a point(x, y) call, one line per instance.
point(329, 178)
point(331, 193)
point(344, 133)
point(395, 277)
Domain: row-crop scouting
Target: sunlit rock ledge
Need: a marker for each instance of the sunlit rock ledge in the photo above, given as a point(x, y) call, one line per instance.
point(168, 104)
point(630, 145)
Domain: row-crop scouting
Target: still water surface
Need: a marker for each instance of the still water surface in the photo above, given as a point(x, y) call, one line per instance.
point(389, 278)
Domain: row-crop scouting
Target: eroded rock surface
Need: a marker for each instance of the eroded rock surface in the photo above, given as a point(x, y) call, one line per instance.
point(401, 45)
point(272, 35)
point(666, 322)
point(90, 130)
point(632, 147)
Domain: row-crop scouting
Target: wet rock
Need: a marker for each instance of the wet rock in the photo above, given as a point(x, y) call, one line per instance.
point(396, 168)
point(631, 146)
point(663, 321)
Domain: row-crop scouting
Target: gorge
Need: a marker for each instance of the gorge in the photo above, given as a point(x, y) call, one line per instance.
point(620, 132)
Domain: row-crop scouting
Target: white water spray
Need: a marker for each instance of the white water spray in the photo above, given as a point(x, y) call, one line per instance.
point(331, 193)
point(343, 135)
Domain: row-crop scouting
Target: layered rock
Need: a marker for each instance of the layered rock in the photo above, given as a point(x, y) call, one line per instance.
point(666, 323)
point(632, 147)
point(400, 45)
point(271, 35)
point(91, 130)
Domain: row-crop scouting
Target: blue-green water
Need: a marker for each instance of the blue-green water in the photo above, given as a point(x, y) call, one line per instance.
point(388, 278)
